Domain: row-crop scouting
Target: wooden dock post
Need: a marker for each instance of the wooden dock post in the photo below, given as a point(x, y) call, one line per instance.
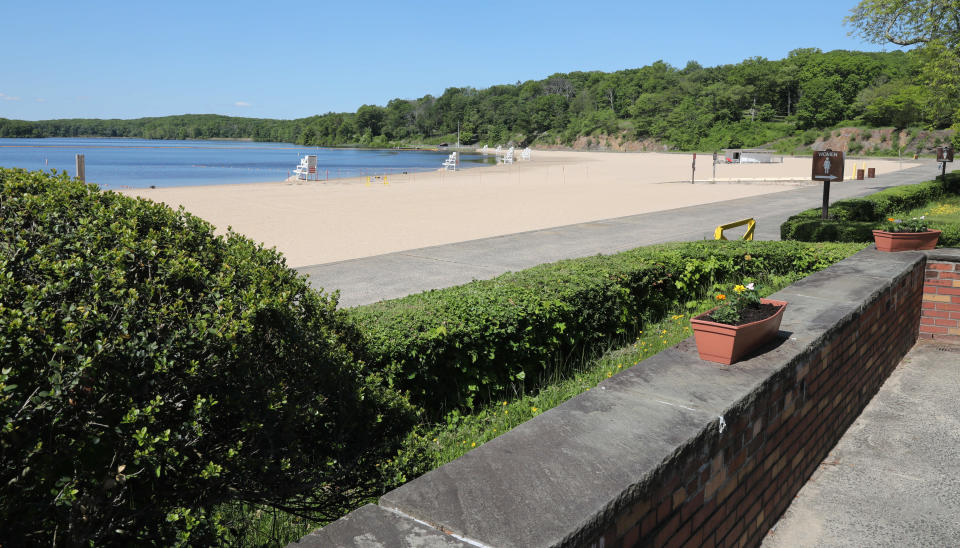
point(81, 168)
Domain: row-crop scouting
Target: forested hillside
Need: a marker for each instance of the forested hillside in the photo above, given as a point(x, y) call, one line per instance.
point(691, 108)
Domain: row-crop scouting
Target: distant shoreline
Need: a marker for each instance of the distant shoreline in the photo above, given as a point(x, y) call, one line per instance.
point(124, 162)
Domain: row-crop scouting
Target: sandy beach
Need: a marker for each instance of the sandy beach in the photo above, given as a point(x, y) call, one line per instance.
point(322, 222)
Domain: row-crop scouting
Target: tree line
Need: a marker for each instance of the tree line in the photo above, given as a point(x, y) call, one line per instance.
point(691, 108)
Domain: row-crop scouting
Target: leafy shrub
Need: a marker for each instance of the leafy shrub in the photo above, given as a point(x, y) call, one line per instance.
point(150, 370)
point(817, 230)
point(453, 346)
point(854, 220)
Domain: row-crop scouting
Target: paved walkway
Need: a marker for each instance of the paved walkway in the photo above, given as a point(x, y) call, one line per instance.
point(894, 477)
point(392, 275)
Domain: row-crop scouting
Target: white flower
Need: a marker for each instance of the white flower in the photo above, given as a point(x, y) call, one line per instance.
point(750, 286)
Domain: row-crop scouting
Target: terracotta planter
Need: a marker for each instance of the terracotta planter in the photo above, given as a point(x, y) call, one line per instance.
point(905, 241)
point(726, 344)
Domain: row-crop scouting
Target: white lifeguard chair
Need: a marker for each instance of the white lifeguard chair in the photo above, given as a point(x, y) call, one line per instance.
point(508, 157)
point(307, 170)
point(485, 150)
point(450, 164)
point(499, 150)
point(525, 154)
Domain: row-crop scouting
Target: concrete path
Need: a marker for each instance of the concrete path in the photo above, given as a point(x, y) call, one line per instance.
point(392, 275)
point(894, 478)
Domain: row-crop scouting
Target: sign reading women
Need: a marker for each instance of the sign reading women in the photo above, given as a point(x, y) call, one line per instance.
point(827, 167)
point(945, 154)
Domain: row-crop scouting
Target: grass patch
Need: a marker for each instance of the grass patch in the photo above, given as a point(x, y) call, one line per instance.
point(943, 211)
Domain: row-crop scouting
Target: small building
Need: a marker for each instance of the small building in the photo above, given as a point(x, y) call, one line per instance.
point(748, 156)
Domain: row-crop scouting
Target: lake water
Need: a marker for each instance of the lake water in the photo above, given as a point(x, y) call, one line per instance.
point(137, 163)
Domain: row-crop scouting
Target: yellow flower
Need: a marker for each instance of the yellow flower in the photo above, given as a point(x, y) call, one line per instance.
point(533, 409)
point(504, 403)
point(609, 374)
point(747, 257)
point(739, 288)
point(721, 297)
point(474, 444)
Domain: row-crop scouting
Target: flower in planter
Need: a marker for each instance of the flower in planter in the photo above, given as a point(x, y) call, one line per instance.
point(731, 309)
point(916, 224)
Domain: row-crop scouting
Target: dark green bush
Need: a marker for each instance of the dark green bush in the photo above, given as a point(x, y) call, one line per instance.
point(817, 230)
point(448, 347)
point(854, 220)
point(150, 370)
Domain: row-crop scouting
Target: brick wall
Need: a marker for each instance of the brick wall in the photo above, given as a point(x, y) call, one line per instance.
point(729, 490)
point(940, 318)
point(679, 452)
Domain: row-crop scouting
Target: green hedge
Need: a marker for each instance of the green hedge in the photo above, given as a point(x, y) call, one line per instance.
point(150, 371)
point(854, 220)
point(452, 346)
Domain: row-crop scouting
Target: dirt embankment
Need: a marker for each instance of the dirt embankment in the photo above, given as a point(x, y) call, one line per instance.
point(883, 140)
point(879, 141)
point(607, 143)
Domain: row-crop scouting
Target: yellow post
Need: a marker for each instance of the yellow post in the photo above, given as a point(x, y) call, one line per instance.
point(368, 180)
point(385, 180)
point(748, 235)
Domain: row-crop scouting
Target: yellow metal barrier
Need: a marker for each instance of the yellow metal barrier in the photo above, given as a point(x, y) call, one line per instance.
point(748, 235)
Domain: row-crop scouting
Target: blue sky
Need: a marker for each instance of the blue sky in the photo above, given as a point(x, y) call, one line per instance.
point(289, 59)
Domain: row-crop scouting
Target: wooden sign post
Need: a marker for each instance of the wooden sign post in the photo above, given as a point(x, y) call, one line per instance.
point(827, 167)
point(693, 173)
point(944, 155)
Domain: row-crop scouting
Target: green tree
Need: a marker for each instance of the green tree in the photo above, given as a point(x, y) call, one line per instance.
point(907, 22)
point(370, 118)
point(892, 104)
point(934, 24)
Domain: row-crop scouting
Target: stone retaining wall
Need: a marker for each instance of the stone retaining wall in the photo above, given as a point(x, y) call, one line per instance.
point(674, 451)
